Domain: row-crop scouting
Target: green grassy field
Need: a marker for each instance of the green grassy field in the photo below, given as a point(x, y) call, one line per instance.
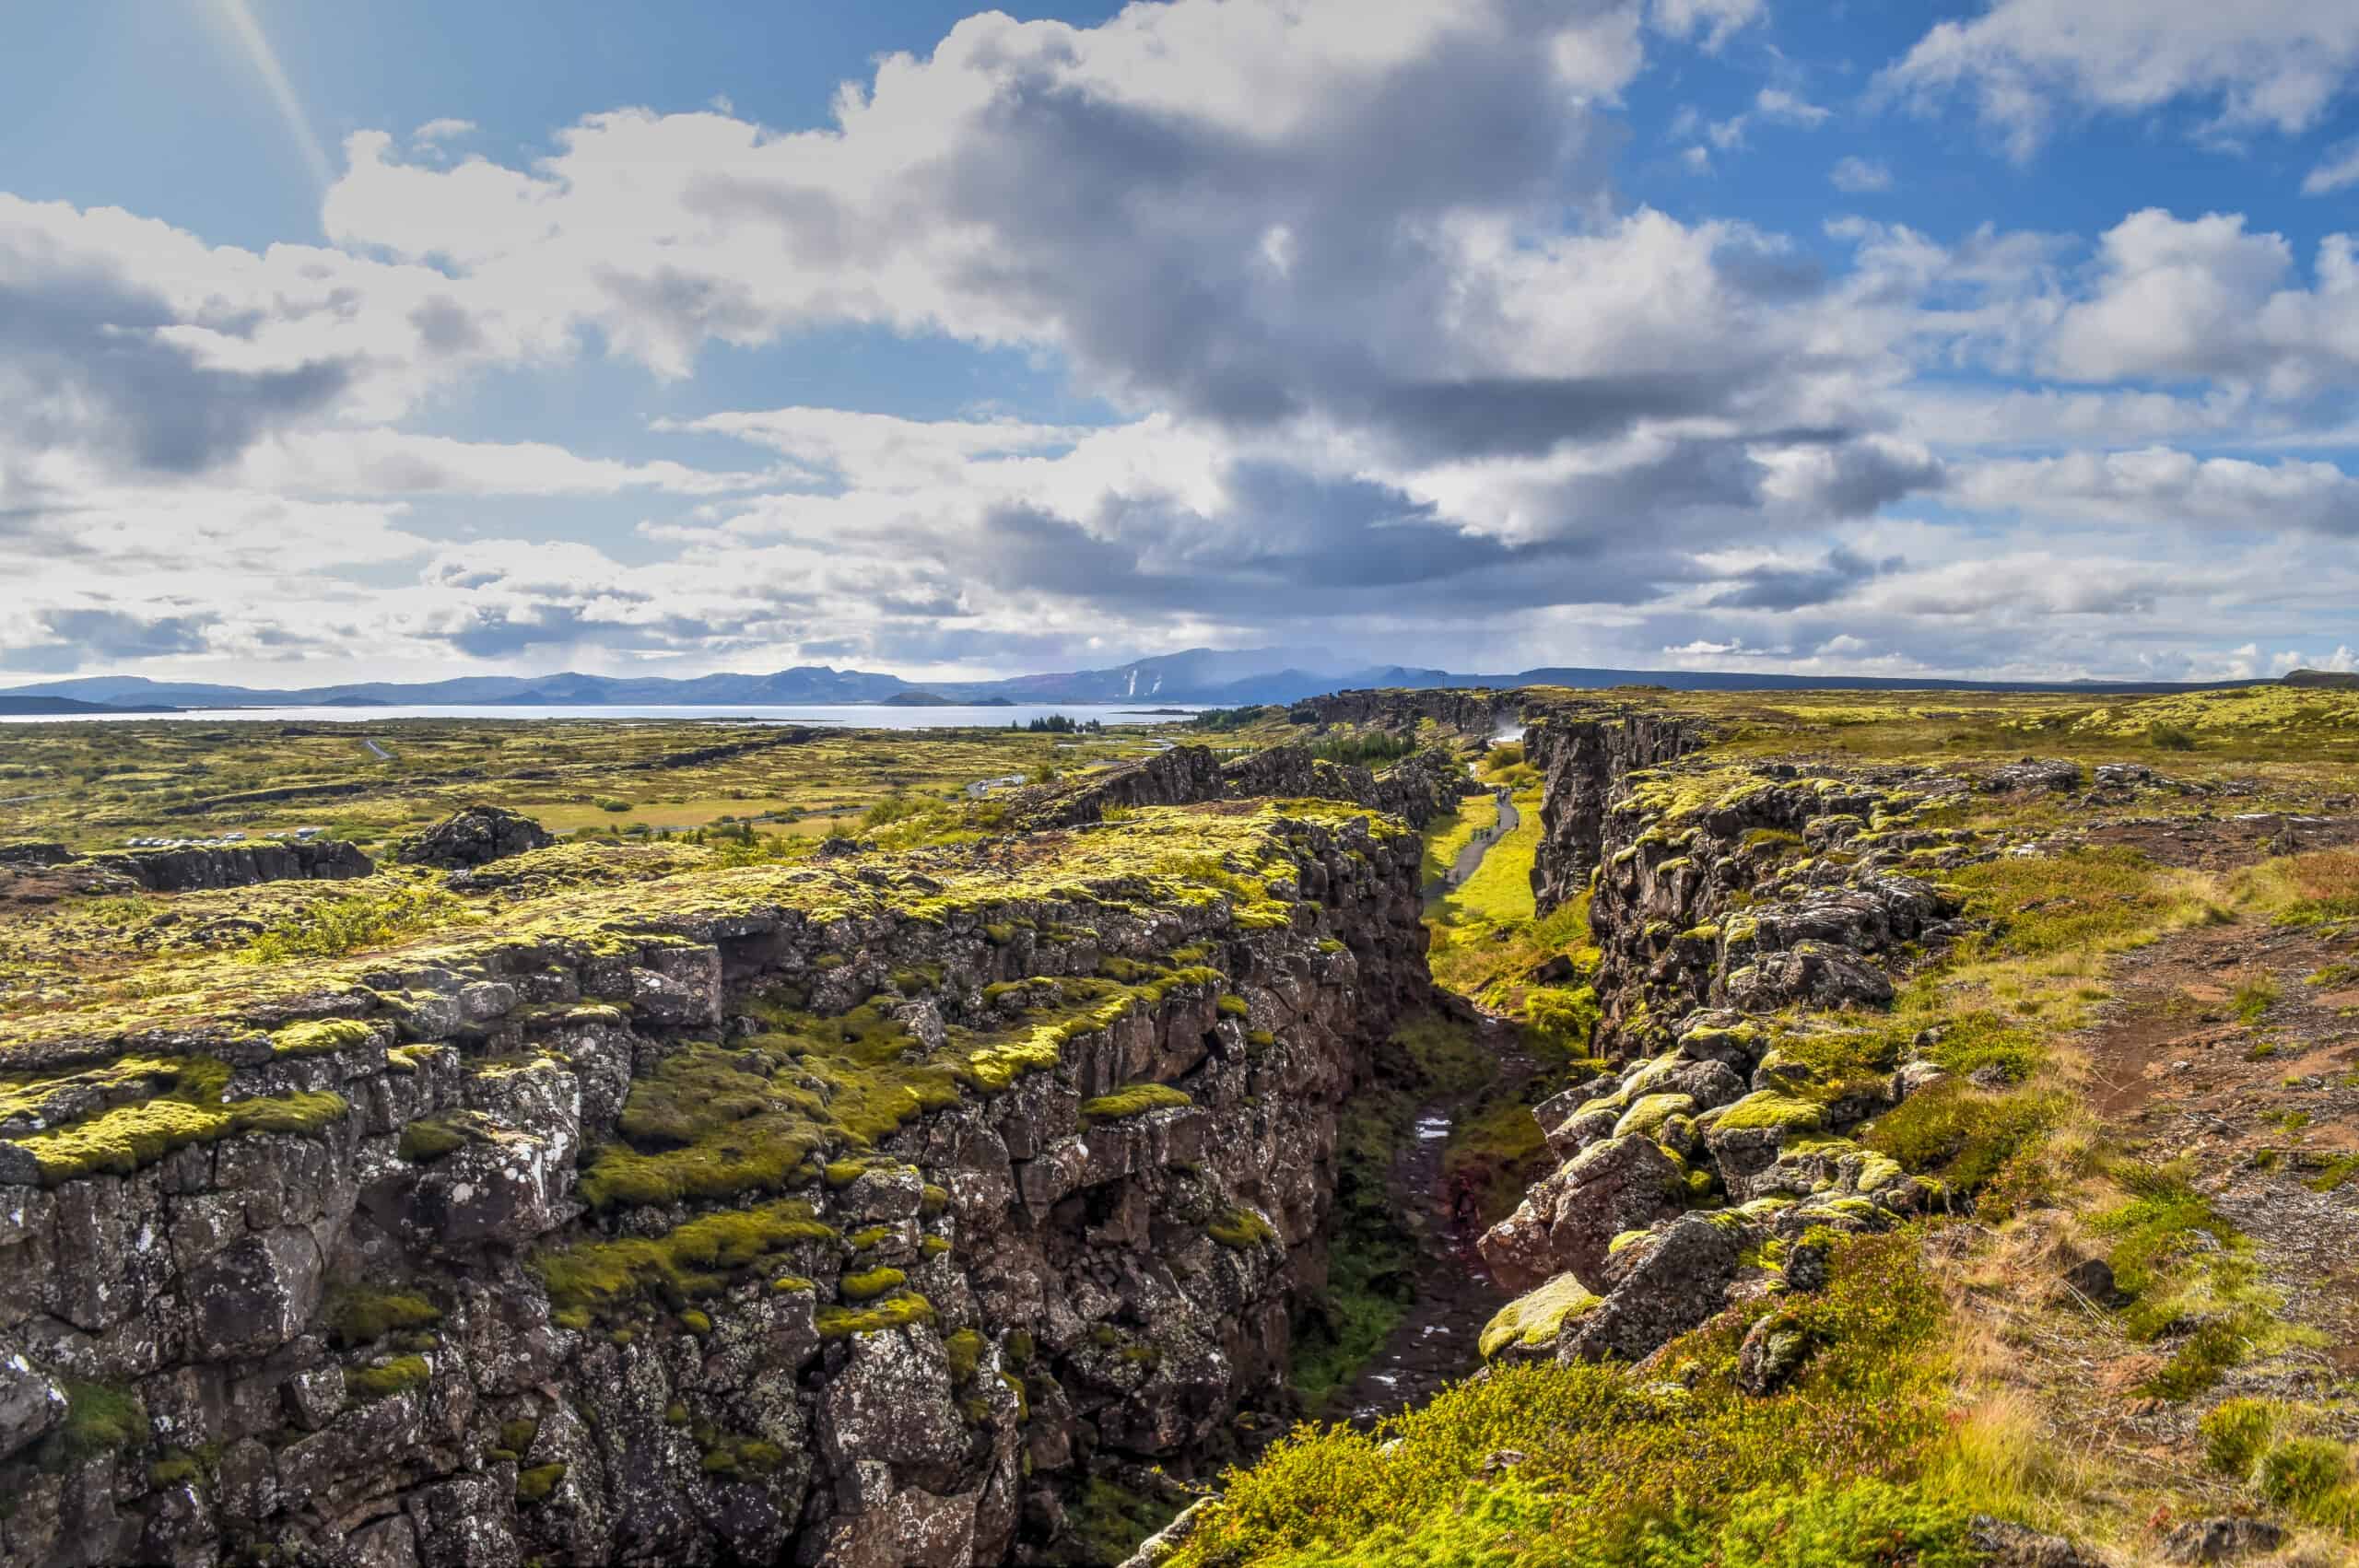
point(95, 785)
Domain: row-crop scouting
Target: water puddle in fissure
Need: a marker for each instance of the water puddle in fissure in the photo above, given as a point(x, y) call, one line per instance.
point(1436, 1344)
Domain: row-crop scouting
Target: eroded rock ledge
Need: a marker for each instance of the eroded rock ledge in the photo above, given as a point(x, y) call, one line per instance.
point(851, 1215)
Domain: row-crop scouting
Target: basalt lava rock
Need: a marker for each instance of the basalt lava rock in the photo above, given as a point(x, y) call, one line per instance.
point(475, 835)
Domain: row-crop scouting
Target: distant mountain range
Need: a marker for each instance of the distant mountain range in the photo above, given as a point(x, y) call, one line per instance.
point(1217, 677)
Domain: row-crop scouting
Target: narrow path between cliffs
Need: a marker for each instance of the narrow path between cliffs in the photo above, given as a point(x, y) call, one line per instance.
point(1435, 1343)
point(1471, 858)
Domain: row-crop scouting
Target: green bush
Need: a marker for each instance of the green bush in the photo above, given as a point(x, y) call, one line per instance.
point(2303, 1471)
point(2235, 1431)
point(360, 921)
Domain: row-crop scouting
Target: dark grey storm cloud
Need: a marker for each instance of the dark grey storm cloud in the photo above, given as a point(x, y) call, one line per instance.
point(81, 366)
point(1787, 588)
point(68, 637)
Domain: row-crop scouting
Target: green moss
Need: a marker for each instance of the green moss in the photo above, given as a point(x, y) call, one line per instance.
point(1137, 1099)
point(1243, 1229)
point(2302, 1470)
point(99, 1418)
point(1834, 1471)
point(175, 1468)
point(964, 1350)
point(517, 1435)
point(1960, 1134)
point(698, 1258)
point(535, 1484)
point(314, 1036)
point(194, 1110)
point(398, 1376)
point(1534, 1319)
point(934, 1246)
point(871, 1284)
point(427, 1140)
point(696, 1322)
point(792, 1282)
point(358, 1316)
point(1107, 1521)
point(870, 1236)
point(1233, 1006)
point(839, 1322)
point(1769, 1108)
point(1648, 1114)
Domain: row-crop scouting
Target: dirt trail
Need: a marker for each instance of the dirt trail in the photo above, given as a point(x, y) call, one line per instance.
point(2235, 1048)
point(2262, 1101)
point(1469, 858)
point(1435, 1343)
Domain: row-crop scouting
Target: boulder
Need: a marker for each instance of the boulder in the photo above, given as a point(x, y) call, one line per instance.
point(1663, 1286)
point(2007, 1544)
point(2221, 1540)
point(2033, 773)
point(1773, 1352)
point(1567, 1221)
point(1814, 974)
point(190, 867)
point(475, 835)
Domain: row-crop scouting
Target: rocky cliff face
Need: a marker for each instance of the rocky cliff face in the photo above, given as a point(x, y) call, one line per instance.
point(1584, 762)
point(1748, 921)
point(1416, 789)
point(848, 1215)
point(238, 865)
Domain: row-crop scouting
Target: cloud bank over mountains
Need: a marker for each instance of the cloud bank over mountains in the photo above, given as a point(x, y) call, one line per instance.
point(1383, 350)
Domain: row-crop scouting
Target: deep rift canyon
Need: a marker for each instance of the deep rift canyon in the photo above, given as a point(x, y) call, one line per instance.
point(959, 1202)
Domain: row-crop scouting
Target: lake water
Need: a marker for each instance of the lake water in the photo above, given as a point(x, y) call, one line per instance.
point(845, 715)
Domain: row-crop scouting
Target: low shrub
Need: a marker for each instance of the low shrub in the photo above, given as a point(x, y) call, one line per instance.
point(2237, 1431)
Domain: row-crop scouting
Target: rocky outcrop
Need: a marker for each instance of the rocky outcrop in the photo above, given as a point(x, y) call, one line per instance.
point(1418, 788)
point(182, 869)
point(1477, 712)
point(1744, 916)
point(475, 835)
point(483, 1276)
point(1584, 761)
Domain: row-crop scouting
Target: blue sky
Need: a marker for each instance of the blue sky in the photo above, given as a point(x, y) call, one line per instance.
point(1972, 339)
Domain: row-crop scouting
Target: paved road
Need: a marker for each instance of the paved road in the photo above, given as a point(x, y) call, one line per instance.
point(1471, 856)
point(380, 753)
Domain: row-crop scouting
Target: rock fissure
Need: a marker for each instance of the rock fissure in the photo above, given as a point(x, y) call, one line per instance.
point(1748, 921)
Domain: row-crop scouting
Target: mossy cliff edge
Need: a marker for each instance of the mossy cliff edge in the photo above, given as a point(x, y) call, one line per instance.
point(859, 1212)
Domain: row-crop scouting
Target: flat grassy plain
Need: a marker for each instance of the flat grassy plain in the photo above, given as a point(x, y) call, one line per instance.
point(92, 786)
